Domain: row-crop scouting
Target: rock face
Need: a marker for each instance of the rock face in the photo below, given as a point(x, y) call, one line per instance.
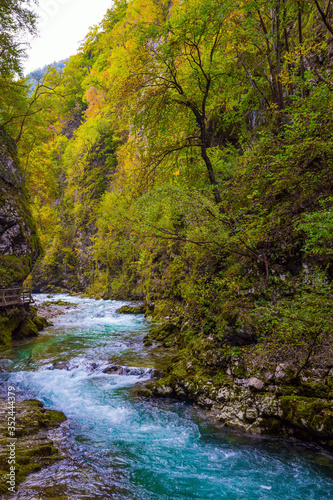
point(19, 243)
point(10, 171)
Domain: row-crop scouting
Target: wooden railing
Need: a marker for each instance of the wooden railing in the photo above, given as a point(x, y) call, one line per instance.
point(14, 297)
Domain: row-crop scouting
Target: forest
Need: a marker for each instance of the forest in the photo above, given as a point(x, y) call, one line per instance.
point(183, 159)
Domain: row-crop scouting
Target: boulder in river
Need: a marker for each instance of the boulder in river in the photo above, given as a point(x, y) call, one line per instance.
point(141, 309)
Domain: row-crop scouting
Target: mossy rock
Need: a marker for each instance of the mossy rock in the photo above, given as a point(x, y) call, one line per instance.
point(26, 329)
point(144, 392)
point(132, 310)
point(52, 418)
point(316, 389)
point(18, 324)
point(8, 324)
point(162, 332)
point(48, 303)
point(313, 414)
point(19, 240)
point(41, 323)
point(33, 447)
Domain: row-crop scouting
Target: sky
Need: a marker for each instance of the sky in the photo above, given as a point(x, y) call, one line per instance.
point(62, 25)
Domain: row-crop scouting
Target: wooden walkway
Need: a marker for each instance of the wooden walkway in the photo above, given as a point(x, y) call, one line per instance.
point(14, 297)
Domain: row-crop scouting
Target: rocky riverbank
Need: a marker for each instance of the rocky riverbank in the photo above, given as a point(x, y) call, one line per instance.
point(253, 389)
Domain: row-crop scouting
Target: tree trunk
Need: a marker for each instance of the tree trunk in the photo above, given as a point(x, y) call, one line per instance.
point(211, 174)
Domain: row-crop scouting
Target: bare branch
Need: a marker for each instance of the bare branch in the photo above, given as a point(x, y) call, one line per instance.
point(324, 16)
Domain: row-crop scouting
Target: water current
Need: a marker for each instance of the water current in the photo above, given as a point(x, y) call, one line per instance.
point(121, 446)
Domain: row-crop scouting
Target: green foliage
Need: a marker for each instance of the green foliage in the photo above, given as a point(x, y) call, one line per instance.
point(16, 18)
point(318, 227)
point(16, 21)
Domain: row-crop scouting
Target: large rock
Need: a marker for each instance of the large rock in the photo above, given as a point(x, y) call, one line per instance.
point(34, 447)
point(19, 243)
point(255, 383)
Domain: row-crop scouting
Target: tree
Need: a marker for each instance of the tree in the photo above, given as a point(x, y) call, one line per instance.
point(16, 19)
point(175, 59)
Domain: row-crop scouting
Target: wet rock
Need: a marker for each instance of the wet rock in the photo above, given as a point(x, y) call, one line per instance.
point(144, 392)
point(133, 371)
point(60, 365)
point(180, 391)
point(141, 309)
point(48, 312)
point(156, 374)
point(114, 369)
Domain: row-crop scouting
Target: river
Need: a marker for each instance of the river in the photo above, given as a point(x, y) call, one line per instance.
point(125, 447)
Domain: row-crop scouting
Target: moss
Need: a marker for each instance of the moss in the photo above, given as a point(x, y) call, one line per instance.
point(58, 303)
point(314, 414)
point(315, 389)
point(269, 426)
point(13, 269)
point(6, 334)
point(33, 448)
point(8, 324)
point(41, 323)
point(165, 333)
point(144, 392)
point(132, 310)
point(18, 324)
point(286, 390)
point(239, 370)
point(26, 330)
point(53, 418)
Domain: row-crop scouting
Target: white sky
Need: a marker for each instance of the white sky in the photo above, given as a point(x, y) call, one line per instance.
point(63, 24)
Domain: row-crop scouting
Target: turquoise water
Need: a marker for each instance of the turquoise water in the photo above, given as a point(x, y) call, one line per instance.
point(124, 447)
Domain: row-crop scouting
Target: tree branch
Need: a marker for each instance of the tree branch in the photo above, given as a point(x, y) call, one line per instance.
point(324, 16)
